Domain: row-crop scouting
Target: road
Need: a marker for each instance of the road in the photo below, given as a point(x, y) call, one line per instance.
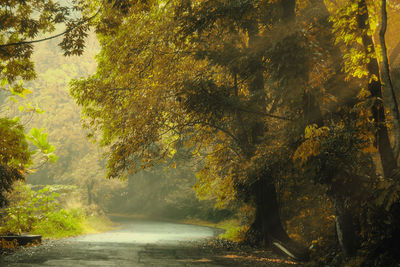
point(140, 243)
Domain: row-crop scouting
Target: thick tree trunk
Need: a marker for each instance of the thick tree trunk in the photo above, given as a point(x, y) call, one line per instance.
point(267, 229)
point(375, 87)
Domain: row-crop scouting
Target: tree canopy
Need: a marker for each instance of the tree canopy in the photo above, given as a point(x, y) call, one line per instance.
point(281, 102)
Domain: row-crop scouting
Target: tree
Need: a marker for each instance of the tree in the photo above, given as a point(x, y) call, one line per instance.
point(14, 155)
point(21, 24)
point(202, 65)
point(352, 26)
point(250, 86)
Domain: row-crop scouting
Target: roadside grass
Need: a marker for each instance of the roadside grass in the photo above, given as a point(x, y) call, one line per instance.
point(69, 226)
point(76, 226)
point(233, 230)
point(97, 224)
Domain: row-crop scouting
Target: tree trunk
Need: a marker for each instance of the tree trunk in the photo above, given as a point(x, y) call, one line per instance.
point(89, 191)
point(395, 53)
point(267, 228)
point(375, 87)
point(387, 82)
point(288, 8)
point(344, 215)
point(344, 226)
point(312, 112)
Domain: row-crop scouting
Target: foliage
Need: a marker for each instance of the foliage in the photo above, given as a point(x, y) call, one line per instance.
point(22, 22)
point(164, 192)
point(10, 245)
point(14, 155)
point(14, 146)
point(258, 92)
point(39, 213)
point(334, 150)
point(39, 139)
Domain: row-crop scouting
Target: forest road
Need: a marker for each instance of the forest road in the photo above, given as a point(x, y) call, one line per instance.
point(139, 243)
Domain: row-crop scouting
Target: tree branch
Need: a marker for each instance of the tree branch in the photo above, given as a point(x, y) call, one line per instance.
point(51, 37)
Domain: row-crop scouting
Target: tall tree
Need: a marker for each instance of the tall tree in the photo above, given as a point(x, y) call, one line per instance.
point(202, 63)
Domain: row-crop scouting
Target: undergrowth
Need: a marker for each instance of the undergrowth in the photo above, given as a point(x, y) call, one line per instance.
point(43, 213)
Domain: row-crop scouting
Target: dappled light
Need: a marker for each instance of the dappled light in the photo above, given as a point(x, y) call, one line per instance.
point(199, 132)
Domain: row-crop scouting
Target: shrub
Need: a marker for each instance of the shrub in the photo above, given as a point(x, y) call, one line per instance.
point(39, 213)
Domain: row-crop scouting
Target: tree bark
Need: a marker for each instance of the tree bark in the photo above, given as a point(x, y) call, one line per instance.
point(267, 228)
point(387, 82)
point(344, 215)
point(395, 53)
point(375, 88)
point(288, 8)
point(89, 186)
point(344, 225)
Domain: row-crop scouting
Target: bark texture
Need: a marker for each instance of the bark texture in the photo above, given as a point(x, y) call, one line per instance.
point(267, 227)
point(344, 221)
point(375, 88)
point(387, 82)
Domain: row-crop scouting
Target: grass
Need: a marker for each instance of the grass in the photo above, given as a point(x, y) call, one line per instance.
point(97, 224)
point(234, 231)
point(55, 228)
point(76, 226)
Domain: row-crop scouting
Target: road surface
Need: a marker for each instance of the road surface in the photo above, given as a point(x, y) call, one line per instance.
point(140, 243)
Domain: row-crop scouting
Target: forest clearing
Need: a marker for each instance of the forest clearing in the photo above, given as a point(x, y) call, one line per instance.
point(271, 127)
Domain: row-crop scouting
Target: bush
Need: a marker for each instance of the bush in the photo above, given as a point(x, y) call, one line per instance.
point(60, 223)
point(39, 213)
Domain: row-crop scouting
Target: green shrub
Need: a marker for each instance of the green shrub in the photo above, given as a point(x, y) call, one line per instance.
point(60, 223)
point(39, 213)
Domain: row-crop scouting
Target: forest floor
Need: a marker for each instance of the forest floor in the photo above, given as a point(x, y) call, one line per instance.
point(141, 242)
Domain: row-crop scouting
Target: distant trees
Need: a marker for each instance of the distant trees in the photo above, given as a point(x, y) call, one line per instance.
point(22, 23)
point(263, 91)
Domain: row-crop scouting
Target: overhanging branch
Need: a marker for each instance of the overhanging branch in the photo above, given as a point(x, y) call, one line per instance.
point(51, 37)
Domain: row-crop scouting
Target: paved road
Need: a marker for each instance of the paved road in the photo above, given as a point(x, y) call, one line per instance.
point(139, 243)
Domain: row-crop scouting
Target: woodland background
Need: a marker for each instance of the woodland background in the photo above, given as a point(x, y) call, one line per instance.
point(281, 115)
